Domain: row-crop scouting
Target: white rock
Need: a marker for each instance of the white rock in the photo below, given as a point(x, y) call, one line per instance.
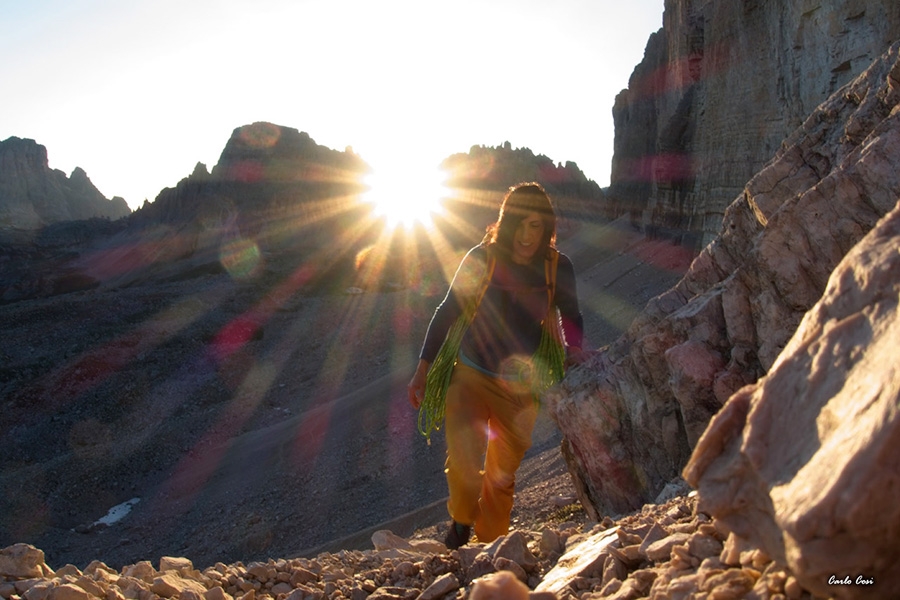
point(442, 586)
point(388, 540)
point(580, 560)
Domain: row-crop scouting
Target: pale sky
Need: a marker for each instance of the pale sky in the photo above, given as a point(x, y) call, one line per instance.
point(137, 92)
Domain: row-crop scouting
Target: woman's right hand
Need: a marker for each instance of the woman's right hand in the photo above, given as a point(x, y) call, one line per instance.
point(416, 387)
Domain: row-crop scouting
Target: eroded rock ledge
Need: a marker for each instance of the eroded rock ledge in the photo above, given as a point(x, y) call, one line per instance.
point(633, 414)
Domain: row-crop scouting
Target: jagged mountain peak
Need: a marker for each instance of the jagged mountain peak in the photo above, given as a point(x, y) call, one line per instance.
point(33, 195)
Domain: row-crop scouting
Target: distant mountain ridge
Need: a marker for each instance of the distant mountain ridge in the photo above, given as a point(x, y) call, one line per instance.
point(274, 190)
point(33, 195)
point(265, 170)
point(270, 166)
point(498, 167)
point(261, 167)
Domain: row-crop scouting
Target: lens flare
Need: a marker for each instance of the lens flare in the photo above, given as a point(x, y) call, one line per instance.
point(241, 258)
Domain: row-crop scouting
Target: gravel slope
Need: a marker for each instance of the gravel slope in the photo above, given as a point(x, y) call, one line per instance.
point(251, 423)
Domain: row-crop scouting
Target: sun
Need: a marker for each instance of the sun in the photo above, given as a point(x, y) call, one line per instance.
point(405, 195)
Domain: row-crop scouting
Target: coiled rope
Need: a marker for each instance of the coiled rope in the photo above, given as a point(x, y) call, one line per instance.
point(548, 360)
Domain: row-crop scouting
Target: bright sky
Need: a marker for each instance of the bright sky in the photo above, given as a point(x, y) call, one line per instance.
point(137, 92)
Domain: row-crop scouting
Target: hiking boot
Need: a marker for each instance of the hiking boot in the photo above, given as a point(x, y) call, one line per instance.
point(457, 536)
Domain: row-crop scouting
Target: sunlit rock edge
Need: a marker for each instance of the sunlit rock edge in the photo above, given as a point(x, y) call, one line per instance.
point(633, 414)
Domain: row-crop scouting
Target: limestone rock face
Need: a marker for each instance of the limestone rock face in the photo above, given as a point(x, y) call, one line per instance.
point(719, 88)
point(33, 195)
point(804, 463)
point(632, 414)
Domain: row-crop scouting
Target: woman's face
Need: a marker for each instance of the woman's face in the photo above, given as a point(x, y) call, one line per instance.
point(528, 237)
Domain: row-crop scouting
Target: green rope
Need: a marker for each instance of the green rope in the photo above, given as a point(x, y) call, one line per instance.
point(548, 361)
point(549, 368)
point(550, 357)
point(431, 411)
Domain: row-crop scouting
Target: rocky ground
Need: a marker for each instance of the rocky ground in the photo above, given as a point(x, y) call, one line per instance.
point(667, 550)
point(240, 421)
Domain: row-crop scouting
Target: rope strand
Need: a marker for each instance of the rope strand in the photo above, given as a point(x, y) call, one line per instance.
point(548, 361)
point(431, 411)
point(549, 358)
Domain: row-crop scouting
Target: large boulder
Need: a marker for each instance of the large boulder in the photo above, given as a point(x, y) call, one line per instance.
point(22, 561)
point(631, 416)
point(804, 463)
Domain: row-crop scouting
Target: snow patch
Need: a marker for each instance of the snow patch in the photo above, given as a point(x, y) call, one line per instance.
point(117, 513)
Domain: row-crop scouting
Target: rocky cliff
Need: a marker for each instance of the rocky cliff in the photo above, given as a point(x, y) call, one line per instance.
point(719, 88)
point(830, 404)
point(631, 416)
point(33, 195)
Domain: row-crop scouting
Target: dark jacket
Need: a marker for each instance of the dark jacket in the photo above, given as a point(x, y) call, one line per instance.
point(508, 321)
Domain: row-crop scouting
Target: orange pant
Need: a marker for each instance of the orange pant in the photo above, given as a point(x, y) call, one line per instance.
point(488, 429)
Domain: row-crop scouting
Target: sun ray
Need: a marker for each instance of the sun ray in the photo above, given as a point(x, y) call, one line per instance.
point(406, 195)
point(423, 253)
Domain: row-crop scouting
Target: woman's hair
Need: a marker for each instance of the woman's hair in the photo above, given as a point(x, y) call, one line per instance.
point(521, 199)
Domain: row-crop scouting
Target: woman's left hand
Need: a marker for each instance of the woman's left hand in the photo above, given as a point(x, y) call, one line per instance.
point(575, 356)
point(416, 387)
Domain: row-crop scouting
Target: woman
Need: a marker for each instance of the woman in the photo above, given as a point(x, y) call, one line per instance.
point(515, 279)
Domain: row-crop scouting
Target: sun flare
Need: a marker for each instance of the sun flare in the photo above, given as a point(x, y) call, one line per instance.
point(406, 196)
